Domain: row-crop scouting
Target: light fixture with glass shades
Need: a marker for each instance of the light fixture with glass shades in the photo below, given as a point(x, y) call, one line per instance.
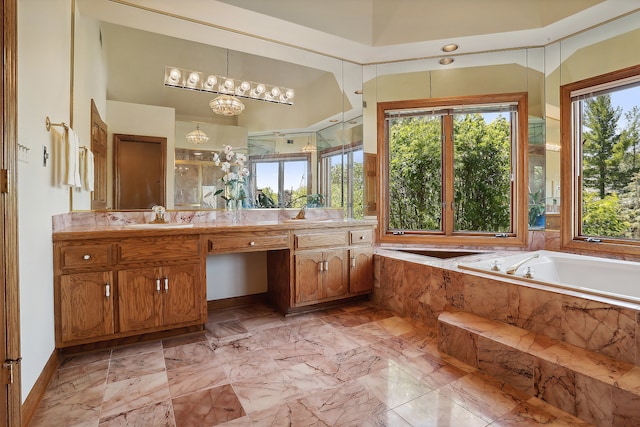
point(212, 83)
point(197, 136)
point(309, 148)
point(226, 105)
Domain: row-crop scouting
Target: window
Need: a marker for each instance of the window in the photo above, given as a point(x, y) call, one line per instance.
point(600, 119)
point(342, 172)
point(452, 170)
point(280, 180)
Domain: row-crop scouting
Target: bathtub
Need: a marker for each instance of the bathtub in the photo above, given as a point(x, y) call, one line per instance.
point(602, 277)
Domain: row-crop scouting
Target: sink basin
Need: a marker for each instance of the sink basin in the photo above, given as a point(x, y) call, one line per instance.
point(166, 225)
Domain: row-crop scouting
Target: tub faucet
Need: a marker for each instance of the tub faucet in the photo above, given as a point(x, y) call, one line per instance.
point(513, 268)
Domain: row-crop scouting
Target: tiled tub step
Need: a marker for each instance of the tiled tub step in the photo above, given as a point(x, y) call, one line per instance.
point(593, 387)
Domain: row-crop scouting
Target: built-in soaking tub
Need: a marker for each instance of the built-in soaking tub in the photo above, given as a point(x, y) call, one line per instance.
point(586, 274)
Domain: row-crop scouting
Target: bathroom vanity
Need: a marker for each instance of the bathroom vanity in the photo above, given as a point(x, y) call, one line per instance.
point(118, 284)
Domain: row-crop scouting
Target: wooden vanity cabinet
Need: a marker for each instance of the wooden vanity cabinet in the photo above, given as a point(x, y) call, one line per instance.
point(361, 270)
point(320, 275)
point(84, 293)
point(113, 289)
point(361, 261)
point(153, 297)
point(85, 306)
point(159, 283)
point(330, 265)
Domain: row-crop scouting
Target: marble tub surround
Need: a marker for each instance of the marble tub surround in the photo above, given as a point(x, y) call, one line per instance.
point(359, 365)
point(423, 287)
point(90, 219)
point(596, 388)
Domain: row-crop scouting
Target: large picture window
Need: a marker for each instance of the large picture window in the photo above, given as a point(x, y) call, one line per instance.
point(453, 170)
point(600, 120)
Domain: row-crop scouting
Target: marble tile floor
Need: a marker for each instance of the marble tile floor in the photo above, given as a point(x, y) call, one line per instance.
point(357, 365)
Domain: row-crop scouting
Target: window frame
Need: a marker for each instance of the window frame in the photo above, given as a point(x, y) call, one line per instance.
point(519, 209)
point(571, 181)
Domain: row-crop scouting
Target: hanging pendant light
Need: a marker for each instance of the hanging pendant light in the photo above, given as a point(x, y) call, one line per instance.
point(228, 105)
point(309, 148)
point(197, 136)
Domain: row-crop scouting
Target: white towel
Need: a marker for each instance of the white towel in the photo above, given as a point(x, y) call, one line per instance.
point(72, 159)
point(87, 177)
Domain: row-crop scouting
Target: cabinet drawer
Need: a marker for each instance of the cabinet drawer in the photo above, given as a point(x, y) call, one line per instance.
point(158, 249)
point(78, 256)
point(361, 236)
point(247, 242)
point(318, 240)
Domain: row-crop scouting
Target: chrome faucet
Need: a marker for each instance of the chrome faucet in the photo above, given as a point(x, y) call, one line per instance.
point(159, 211)
point(513, 268)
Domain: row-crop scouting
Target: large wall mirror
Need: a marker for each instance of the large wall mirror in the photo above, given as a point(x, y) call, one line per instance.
point(317, 143)
point(300, 154)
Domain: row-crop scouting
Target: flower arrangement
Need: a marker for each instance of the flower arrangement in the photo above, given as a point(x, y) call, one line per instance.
point(235, 172)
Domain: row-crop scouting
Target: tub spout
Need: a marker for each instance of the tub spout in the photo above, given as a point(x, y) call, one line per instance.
point(513, 268)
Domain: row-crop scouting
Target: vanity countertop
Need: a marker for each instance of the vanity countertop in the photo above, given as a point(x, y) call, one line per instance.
point(81, 232)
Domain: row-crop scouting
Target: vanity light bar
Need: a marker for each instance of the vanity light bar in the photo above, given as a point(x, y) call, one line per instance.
point(212, 83)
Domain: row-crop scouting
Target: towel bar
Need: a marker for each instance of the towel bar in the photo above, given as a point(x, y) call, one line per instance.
point(48, 124)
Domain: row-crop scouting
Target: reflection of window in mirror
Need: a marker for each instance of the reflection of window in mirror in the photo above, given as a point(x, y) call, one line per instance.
point(280, 180)
point(197, 179)
point(537, 202)
point(342, 172)
point(602, 151)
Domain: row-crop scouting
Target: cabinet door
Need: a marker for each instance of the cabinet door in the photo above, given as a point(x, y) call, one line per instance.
point(139, 298)
point(361, 270)
point(308, 276)
point(181, 294)
point(335, 279)
point(86, 305)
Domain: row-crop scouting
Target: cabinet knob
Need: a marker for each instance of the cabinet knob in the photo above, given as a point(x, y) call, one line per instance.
point(362, 237)
point(252, 243)
point(86, 257)
point(158, 285)
point(107, 290)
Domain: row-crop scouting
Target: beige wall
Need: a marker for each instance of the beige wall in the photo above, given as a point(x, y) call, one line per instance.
point(43, 90)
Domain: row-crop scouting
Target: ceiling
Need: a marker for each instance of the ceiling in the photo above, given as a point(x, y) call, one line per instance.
point(384, 22)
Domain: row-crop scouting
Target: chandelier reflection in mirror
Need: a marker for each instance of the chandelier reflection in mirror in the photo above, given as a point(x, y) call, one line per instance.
point(197, 136)
point(230, 89)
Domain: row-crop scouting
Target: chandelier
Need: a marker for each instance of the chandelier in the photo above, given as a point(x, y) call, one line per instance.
point(309, 148)
point(197, 136)
point(226, 105)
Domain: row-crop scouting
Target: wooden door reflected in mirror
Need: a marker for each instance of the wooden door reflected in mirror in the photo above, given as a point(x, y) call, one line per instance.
point(139, 171)
point(99, 150)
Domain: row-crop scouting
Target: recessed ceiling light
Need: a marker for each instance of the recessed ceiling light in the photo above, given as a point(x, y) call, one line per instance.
point(358, 92)
point(333, 120)
point(446, 61)
point(450, 47)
